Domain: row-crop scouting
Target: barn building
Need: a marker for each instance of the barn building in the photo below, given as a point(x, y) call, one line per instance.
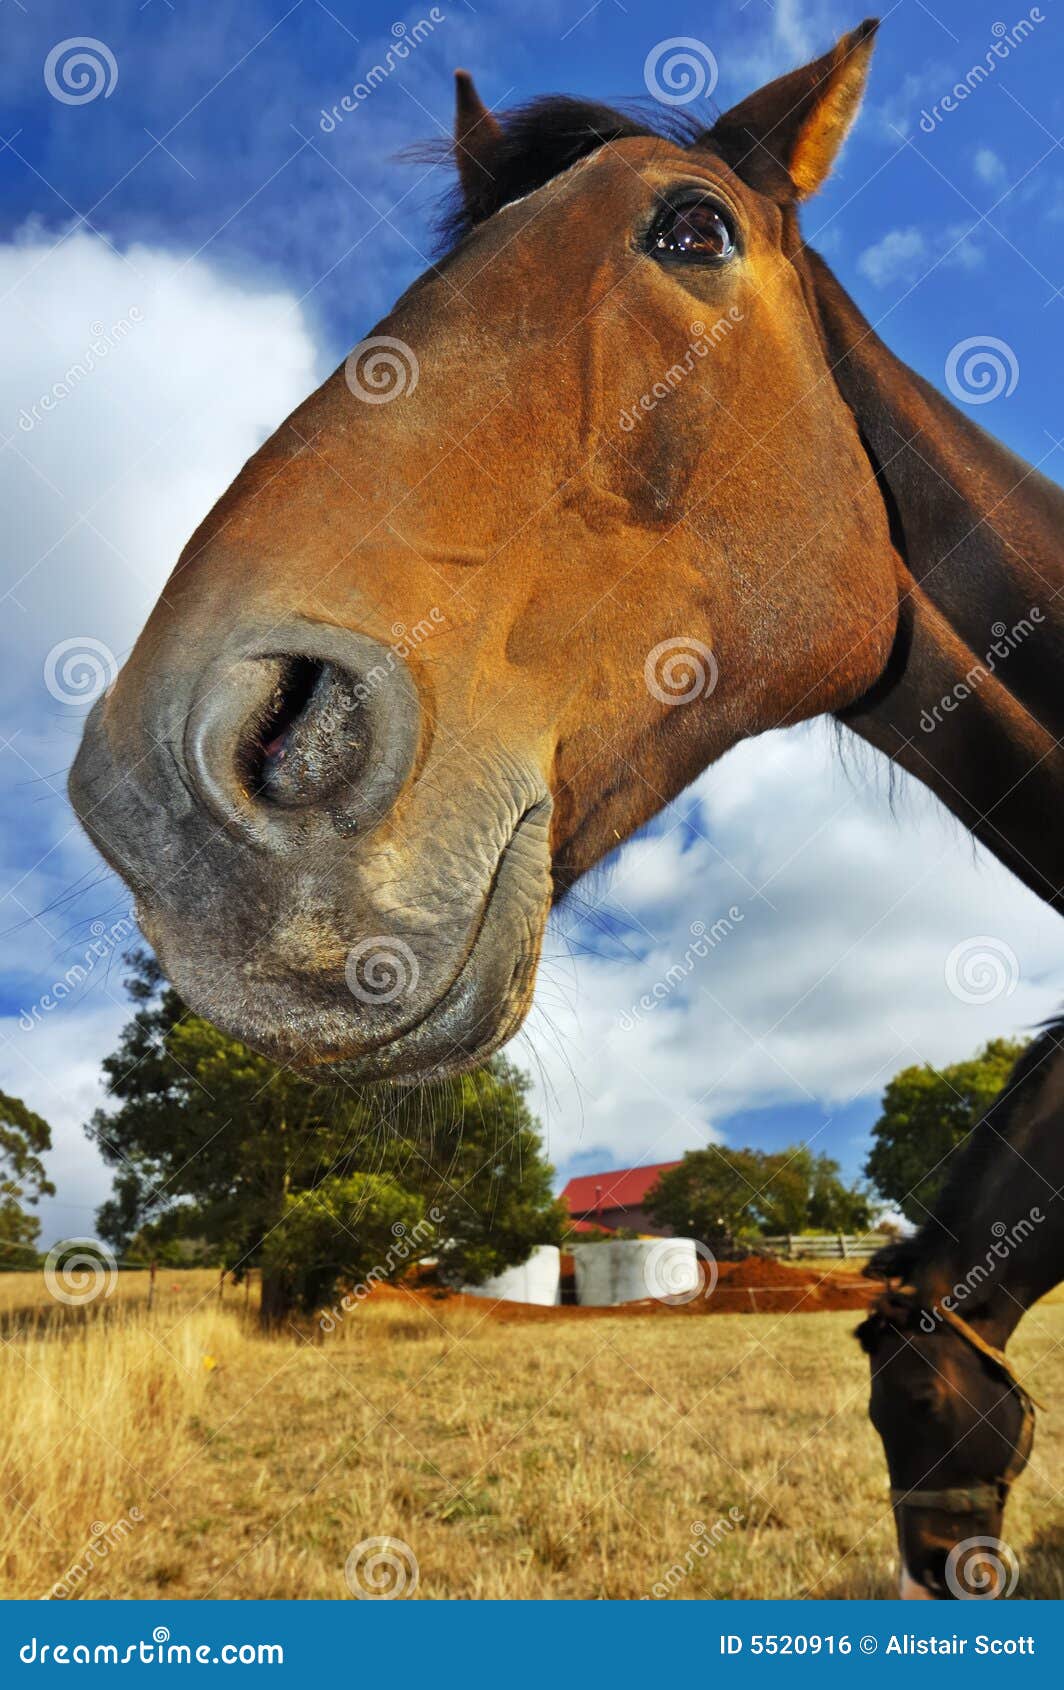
point(614, 1200)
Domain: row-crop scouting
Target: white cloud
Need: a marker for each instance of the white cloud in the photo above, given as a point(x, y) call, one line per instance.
point(894, 256)
point(834, 977)
point(988, 167)
point(107, 480)
point(169, 375)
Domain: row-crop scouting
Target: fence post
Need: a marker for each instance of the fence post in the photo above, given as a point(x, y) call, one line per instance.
point(221, 1282)
point(151, 1284)
point(843, 1252)
point(790, 1247)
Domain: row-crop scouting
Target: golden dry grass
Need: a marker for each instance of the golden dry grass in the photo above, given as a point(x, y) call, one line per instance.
point(554, 1460)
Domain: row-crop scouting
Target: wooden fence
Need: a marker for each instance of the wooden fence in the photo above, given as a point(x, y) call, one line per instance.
point(794, 1245)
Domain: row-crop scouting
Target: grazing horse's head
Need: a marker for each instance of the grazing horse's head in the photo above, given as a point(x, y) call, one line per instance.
point(957, 1429)
point(585, 510)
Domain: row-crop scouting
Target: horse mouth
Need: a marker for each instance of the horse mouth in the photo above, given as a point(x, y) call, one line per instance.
point(487, 996)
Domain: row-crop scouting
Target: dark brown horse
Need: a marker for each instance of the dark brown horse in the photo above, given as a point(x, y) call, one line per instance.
point(956, 1422)
point(417, 670)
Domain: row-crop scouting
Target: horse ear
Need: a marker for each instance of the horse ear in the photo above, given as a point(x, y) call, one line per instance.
point(476, 137)
point(784, 139)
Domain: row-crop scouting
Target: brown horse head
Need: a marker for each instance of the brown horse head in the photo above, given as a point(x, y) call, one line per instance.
point(957, 1429)
point(587, 508)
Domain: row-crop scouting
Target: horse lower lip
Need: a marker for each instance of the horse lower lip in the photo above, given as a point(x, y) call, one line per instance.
point(363, 1065)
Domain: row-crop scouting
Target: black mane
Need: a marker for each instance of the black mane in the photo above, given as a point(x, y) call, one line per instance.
point(542, 139)
point(974, 1166)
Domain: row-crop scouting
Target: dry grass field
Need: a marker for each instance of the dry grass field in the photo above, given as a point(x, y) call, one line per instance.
point(563, 1459)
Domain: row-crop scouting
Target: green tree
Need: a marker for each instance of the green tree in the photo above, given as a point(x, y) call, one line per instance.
point(24, 1137)
point(721, 1193)
point(215, 1143)
point(927, 1112)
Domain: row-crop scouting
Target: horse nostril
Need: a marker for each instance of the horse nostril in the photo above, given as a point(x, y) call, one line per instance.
point(322, 735)
point(310, 736)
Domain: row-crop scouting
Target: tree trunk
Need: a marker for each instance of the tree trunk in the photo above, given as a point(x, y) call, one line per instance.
point(276, 1299)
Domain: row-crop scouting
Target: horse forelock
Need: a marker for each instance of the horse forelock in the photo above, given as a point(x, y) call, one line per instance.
point(541, 140)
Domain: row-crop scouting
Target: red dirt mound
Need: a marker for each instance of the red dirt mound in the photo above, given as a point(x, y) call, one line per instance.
point(755, 1285)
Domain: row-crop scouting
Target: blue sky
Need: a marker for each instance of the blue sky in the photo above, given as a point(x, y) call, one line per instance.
point(245, 248)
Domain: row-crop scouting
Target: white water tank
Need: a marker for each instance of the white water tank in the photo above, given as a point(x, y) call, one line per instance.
point(625, 1270)
point(539, 1280)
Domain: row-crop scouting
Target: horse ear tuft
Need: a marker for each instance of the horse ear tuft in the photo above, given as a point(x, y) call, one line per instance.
point(784, 139)
point(476, 138)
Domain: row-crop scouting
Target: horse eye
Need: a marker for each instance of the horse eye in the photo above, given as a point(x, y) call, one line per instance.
point(698, 232)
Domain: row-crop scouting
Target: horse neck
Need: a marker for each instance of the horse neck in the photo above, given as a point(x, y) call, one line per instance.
point(970, 701)
point(995, 1244)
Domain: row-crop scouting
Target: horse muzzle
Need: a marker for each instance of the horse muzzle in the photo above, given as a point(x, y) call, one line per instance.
point(312, 877)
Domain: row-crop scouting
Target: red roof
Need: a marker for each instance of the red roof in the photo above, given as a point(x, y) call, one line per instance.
point(621, 1188)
